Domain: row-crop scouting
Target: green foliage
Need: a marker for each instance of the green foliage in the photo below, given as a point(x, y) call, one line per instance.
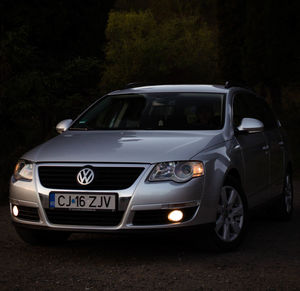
point(51, 56)
point(75, 85)
point(259, 43)
point(16, 52)
point(205, 10)
point(140, 48)
point(50, 65)
point(33, 100)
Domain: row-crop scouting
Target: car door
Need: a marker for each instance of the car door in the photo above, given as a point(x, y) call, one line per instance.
point(255, 151)
point(276, 149)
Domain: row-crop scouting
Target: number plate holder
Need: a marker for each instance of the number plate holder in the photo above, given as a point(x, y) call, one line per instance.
point(83, 201)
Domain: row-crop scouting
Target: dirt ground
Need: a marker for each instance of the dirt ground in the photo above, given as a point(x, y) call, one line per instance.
point(269, 259)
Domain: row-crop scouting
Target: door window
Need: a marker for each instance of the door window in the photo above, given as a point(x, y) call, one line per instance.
point(250, 106)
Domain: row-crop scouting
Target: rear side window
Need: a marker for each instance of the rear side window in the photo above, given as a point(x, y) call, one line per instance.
point(250, 106)
point(266, 114)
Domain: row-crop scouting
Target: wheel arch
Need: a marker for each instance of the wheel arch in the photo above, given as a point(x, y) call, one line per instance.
point(234, 173)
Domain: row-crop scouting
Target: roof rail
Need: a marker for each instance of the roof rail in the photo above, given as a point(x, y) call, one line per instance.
point(138, 84)
point(241, 84)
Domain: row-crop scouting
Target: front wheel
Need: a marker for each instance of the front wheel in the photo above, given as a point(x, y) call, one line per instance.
point(231, 219)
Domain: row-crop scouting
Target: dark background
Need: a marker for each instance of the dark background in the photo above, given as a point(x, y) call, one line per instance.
point(56, 57)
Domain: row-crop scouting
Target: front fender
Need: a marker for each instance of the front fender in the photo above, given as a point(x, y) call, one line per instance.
point(218, 162)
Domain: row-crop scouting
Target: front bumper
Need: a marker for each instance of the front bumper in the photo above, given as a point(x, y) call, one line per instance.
point(151, 199)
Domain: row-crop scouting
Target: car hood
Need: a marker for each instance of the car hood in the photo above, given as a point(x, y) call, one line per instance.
point(124, 146)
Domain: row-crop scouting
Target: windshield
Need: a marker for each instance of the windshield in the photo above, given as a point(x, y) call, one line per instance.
point(154, 111)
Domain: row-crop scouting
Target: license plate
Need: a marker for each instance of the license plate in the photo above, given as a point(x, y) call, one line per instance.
point(83, 201)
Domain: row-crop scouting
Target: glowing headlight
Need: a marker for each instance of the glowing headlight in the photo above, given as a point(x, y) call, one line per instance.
point(23, 170)
point(176, 171)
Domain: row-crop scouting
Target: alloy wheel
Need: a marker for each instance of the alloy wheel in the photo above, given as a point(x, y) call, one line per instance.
point(230, 214)
point(288, 193)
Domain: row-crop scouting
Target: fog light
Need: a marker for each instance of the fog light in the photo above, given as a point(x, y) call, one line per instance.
point(15, 210)
point(175, 215)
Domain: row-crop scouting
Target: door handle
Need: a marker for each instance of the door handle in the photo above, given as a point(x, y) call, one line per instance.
point(265, 148)
point(281, 143)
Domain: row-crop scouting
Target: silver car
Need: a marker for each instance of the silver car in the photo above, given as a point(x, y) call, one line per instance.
point(156, 158)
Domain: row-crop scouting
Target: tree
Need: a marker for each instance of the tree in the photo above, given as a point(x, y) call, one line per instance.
point(259, 43)
point(140, 48)
point(51, 60)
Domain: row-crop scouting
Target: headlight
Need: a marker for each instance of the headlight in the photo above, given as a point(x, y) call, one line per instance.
point(176, 171)
point(23, 170)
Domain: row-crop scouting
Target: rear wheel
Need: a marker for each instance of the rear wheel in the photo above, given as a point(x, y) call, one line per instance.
point(41, 237)
point(284, 207)
point(231, 218)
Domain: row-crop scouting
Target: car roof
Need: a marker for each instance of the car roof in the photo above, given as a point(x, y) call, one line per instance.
point(172, 88)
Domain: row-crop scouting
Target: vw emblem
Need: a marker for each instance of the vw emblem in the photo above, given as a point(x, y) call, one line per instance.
point(85, 176)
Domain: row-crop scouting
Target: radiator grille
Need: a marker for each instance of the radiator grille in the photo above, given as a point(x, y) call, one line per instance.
point(106, 178)
point(87, 218)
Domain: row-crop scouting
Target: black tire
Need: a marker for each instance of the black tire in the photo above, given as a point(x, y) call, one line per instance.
point(283, 208)
point(235, 217)
point(41, 237)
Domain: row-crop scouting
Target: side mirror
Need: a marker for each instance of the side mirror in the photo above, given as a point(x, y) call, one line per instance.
point(63, 125)
point(251, 125)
